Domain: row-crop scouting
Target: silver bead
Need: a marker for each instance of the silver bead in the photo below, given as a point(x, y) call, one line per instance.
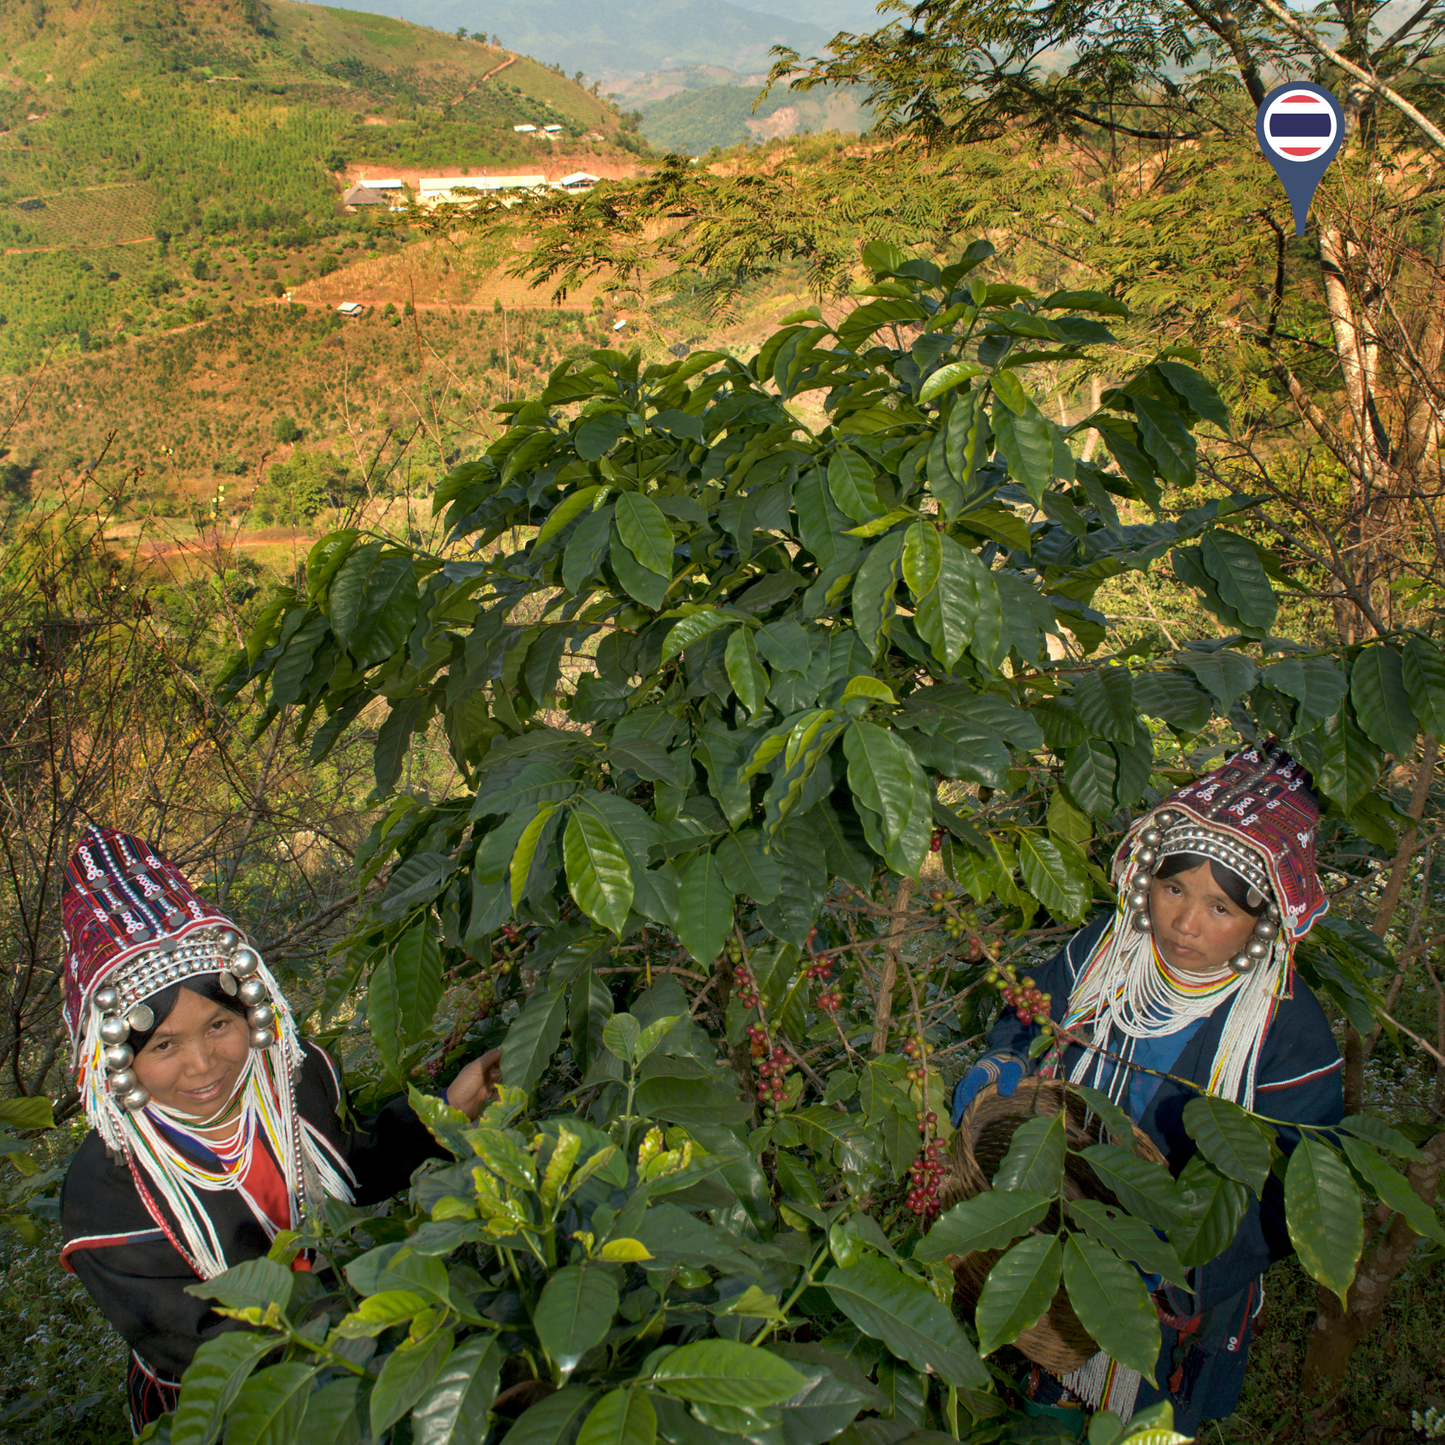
point(252, 991)
point(261, 1017)
point(262, 1038)
point(1145, 857)
point(1151, 837)
point(1241, 963)
point(1257, 949)
point(1266, 928)
point(229, 986)
point(114, 1029)
point(1138, 899)
point(245, 962)
point(1143, 923)
point(225, 940)
point(136, 1100)
point(119, 1056)
point(1166, 818)
point(107, 1000)
point(141, 1017)
point(122, 1081)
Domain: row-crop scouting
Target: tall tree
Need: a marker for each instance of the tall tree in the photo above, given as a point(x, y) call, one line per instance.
point(1143, 94)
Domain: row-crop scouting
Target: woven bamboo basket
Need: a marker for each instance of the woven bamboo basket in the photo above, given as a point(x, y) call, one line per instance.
point(1058, 1341)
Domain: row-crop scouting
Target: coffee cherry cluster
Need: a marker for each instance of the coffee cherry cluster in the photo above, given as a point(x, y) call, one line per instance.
point(1021, 995)
point(746, 986)
point(772, 1067)
point(821, 971)
point(938, 897)
point(917, 1051)
point(956, 926)
point(927, 1169)
point(935, 843)
point(924, 1177)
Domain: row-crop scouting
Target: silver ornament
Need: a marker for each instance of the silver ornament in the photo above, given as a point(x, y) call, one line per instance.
point(1271, 910)
point(245, 962)
point(1257, 949)
point(225, 940)
point(1143, 923)
point(262, 1038)
point(1145, 857)
point(228, 983)
point(252, 991)
point(118, 1056)
point(1151, 837)
point(1241, 963)
point(136, 1100)
point(141, 1017)
point(107, 1000)
point(261, 1017)
point(1266, 928)
point(1138, 899)
point(1167, 818)
point(122, 1081)
point(114, 1029)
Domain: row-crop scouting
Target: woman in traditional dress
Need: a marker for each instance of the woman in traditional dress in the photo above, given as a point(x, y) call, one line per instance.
point(213, 1125)
point(1192, 976)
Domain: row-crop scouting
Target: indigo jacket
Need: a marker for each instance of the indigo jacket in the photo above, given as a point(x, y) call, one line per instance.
point(1299, 1080)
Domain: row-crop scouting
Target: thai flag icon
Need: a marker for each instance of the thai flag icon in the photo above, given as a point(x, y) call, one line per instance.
point(1299, 125)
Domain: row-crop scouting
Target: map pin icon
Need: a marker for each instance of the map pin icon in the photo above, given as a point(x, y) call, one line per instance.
point(1300, 126)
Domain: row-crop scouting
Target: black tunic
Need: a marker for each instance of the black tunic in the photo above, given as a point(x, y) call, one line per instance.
point(1298, 1078)
point(137, 1276)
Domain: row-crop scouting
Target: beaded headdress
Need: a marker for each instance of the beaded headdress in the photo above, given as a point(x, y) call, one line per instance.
point(131, 926)
point(1256, 814)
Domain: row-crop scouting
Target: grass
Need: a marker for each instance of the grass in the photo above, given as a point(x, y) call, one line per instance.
point(62, 1366)
point(1399, 1368)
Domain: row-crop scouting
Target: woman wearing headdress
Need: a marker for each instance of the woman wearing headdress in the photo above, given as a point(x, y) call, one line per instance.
point(213, 1125)
point(1192, 977)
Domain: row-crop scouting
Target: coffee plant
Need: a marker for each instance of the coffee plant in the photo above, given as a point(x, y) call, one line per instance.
point(785, 735)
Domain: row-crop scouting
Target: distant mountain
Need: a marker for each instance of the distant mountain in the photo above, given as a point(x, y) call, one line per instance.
point(613, 39)
point(831, 15)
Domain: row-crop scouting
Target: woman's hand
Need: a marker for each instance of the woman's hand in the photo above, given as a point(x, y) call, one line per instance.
point(476, 1083)
point(1002, 1069)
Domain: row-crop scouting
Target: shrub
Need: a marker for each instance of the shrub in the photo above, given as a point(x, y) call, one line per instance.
point(812, 659)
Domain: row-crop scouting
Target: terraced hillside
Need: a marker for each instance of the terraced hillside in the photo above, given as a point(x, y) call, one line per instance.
point(133, 132)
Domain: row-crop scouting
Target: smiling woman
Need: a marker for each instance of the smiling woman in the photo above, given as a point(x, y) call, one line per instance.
point(1189, 988)
point(192, 1057)
point(214, 1125)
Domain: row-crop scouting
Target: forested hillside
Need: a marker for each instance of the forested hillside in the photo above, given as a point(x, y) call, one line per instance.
point(610, 39)
point(694, 121)
point(128, 130)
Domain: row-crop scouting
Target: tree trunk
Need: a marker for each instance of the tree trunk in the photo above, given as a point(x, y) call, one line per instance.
point(1357, 1049)
point(897, 922)
point(1337, 1331)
